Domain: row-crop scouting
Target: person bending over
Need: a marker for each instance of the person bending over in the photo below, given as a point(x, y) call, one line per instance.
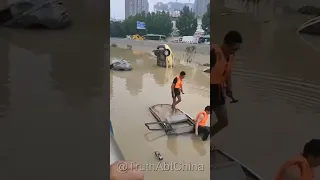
point(221, 61)
point(201, 120)
point(301, 167)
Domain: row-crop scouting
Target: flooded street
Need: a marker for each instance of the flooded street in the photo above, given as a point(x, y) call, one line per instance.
point(275, 78)
point(132, 93)
point(53, 94)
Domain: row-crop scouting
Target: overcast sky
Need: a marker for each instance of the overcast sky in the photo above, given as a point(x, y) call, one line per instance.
point(117, 6)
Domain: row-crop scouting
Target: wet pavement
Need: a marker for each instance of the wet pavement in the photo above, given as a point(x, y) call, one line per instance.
point(52, 99)
point(275, 79)
point(132, 93)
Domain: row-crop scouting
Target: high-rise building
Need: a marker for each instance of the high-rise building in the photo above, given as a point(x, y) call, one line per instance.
point(133, 7)
point(171, 6)
point(200, 7)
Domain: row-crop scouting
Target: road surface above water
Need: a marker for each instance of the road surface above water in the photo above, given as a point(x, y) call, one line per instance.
point(132, 93)
point(53, 86)
point(275, 79)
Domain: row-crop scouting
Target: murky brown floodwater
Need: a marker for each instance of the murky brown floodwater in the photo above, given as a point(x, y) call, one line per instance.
point(132, 93)
point(53, 97)
point(276, 81)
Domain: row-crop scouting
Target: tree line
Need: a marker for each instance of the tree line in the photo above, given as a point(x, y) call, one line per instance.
point(160, 23)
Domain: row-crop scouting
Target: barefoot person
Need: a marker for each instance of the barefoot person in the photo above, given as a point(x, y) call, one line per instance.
point(201, 121)
point(176, 89)
point(221, 60)
point(302, 166)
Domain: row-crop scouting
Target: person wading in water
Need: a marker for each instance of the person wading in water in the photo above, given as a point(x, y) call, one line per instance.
point(221, 61)
point(176, 90)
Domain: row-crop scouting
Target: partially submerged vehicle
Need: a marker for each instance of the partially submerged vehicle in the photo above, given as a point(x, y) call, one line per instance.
point(115, 152)
point(311, 26)
point(172, 123)
point(207, 70)
point(121, 65)
point(223, 166)
point(164, 55)
point(27, 13)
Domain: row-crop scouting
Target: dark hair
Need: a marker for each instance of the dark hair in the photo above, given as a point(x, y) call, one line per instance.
point(207, 108)
point(312, 148)
point(182, 73)
point(232, 38)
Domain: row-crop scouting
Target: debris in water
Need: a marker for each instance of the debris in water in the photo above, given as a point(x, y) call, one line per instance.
point(121, 65)
point(129, 47)
point(224, 14)
point(157, 153)
point(29, 13)
point(310, 10)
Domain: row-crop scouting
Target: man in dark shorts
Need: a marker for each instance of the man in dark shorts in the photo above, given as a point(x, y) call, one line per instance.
point(176, 89)
point(221, 60)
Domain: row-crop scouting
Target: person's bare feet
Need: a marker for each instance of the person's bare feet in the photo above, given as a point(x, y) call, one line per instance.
point(173, 108)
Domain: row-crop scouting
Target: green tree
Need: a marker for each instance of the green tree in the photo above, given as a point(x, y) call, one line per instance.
point(159, 23)
point(117, 29)
point(130, 24)
point(186, 22)
point(156, 23)
point(206, 21)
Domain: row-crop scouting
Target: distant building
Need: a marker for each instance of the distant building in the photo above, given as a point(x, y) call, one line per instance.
point(174, 14)
point(171, 6)
point(200, 7)
point(160, 6)
point(113, 19)
point(133, 7)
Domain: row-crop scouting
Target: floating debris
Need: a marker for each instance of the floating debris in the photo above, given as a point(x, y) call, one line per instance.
point(224, 14)
point(121, 65)
point(157, 153)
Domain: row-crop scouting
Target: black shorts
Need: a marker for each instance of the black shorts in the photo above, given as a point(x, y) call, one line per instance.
point(204, 131)
point(216, 95)
point(176, 92)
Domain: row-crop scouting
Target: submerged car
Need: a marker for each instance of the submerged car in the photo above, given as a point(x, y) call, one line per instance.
point(121, 65)
point(27, 13)
point(164, 55)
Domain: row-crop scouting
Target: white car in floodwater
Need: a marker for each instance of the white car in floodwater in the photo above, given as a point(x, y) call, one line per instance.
point(121, 65)
point(26, 13)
